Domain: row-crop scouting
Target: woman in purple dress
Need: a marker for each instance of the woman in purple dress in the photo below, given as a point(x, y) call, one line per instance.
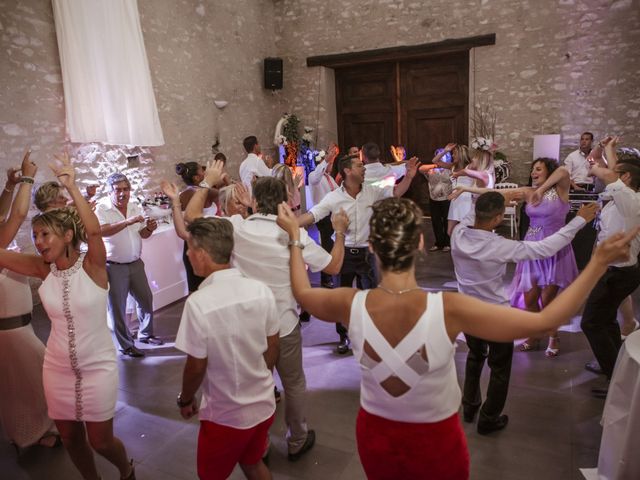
point(537, 282)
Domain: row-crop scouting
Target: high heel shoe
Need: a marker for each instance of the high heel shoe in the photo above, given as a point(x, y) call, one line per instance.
point(529, 345)
point(553, 352)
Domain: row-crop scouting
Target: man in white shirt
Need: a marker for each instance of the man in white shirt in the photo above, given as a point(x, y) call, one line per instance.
point(355, 197)
point(252, 166)
point(261, 252)
point(229, 331)
point(120, 221)
point(578, 165)
point(323, 183)
point(621, 213)
point(376, 173)
point(480, 259)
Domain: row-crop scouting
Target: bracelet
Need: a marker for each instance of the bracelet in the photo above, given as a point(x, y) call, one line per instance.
point(341, 233)
point(24, 179)
point(296, 243)
point(182, 403)
point(9, 191)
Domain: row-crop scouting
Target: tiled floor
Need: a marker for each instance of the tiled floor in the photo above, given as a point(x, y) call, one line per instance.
point(554, 427)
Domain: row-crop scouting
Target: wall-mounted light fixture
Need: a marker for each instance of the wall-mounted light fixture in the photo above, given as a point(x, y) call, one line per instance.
point(220, 104)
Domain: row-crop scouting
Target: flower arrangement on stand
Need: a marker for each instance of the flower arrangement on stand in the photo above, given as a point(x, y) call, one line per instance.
point(483, 129)
point(308, 154)
point(287, 136)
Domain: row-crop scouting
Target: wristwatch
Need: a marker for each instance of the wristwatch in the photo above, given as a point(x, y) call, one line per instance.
point(182, 403)
point(204, 184)
point(296, 243)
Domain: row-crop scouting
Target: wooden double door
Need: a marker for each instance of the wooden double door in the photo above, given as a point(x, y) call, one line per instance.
point(421, 104)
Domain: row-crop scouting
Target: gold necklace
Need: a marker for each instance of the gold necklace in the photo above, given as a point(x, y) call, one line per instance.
point(399, 292)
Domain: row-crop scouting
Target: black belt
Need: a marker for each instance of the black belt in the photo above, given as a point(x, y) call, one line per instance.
point(111, 262)
point(356, 250)
point(15, 322)
point(630, 268)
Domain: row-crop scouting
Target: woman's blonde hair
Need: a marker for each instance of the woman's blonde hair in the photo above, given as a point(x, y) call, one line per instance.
point(47, 193)
point(283, 172)
point(486, 159)
point(61, 220)
point(462, 152)
point(395, 229)
point(225, 195)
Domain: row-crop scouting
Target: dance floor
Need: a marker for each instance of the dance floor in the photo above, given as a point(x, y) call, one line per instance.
point(553, 430)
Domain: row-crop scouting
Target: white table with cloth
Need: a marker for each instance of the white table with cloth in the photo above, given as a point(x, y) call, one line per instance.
point(620, 444)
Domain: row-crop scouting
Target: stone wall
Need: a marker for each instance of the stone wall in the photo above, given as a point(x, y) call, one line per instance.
point(557, 67)
point(198, 52)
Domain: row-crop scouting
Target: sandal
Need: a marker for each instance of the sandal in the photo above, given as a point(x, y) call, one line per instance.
point(50, 440)
point(529, 345)
point(553, 352)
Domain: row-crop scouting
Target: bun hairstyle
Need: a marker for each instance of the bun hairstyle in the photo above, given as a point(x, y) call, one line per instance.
point(60, 220)
point(395, 229)
point(187, 171)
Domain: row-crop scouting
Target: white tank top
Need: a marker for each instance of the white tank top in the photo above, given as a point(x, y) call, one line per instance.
point(434, 394)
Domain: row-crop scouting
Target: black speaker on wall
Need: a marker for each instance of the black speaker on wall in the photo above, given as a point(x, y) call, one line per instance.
point(273, 73)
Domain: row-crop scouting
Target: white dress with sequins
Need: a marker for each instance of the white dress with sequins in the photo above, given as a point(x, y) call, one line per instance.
point(80, 372)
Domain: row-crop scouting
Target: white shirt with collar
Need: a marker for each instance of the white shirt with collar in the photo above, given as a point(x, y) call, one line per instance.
point(126, 245)
point(252, 167)
point(227, 321)
point(321, 182)
point(578, 166)
point(261, 252)
point(622, 213)
point(480, 258)
point(380, 175)
point(358, 210)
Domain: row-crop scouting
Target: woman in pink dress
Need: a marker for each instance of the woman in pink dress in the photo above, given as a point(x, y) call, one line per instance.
point(80, 373)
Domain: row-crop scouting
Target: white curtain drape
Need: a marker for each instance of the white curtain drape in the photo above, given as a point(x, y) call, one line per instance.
point(105, 73)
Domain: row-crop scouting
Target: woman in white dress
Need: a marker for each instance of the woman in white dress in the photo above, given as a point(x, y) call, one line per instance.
point(23, 409)
point(478, 173)
point(80, 374)
point(459, 207)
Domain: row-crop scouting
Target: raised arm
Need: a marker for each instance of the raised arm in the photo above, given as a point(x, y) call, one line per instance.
point(213, 177)
point(339, 222)
point(96, 259)
point(403, 186)
point(503, 324)
point(560, 178)
point(482, 176)
point(6, 196)
point(171, 191)
point(20, 206)
point(330, 305)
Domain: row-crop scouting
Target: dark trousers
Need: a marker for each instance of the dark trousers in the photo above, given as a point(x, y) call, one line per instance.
point(500, 356)
point(193, 280)
point(124, 279)
point(439, 214)
point(599, 322)
point(358, 264)
point(325, 229)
